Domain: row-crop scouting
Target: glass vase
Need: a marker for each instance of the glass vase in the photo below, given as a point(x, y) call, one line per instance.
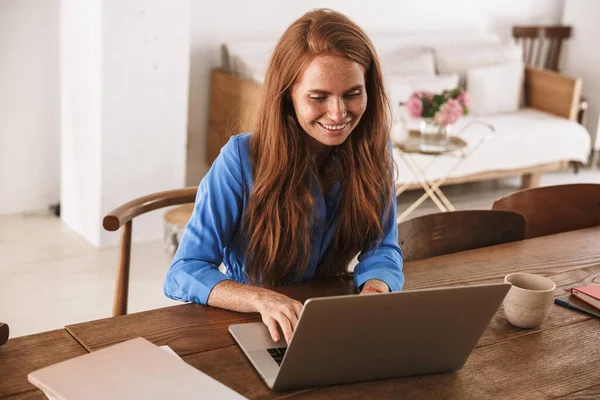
point(434, 137)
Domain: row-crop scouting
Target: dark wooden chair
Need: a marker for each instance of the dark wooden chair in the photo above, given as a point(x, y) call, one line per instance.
point(542, 46)
point(123, 217)
point(450, 232)
point(554, 209)
point(4, 331)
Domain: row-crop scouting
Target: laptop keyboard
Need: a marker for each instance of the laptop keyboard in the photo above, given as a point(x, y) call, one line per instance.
point(277, 353)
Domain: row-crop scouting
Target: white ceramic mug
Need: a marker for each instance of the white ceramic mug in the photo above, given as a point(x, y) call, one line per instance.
point(529, 299)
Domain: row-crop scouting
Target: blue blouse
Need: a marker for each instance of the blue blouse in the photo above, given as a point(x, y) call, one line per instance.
point(213, 235)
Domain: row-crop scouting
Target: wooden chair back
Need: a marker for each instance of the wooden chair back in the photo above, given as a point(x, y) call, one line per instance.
point(3, 333)
point(554, 209)
point(122, 217)
point(542, 44)
point(450, 232)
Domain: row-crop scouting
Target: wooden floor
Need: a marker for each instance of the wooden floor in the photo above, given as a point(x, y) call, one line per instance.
point(50, 277)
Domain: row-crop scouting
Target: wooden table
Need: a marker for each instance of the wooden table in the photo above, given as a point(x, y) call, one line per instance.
point(22, 355)
point(558, 360)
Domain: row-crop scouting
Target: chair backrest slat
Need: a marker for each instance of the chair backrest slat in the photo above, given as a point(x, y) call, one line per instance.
point(539, 49)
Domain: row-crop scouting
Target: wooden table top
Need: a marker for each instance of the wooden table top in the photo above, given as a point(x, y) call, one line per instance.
point(188, 328)
point(556, 360)
point(22, 355)
point(507, 362)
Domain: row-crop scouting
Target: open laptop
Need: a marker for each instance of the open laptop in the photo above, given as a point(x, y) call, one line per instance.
point(355, 338)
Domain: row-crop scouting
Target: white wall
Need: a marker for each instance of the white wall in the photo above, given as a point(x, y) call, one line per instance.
point(227, 19)
point(582, 55)
point(124, 84)
point(29, 111)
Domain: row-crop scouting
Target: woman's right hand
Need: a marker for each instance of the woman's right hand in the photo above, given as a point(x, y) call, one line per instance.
point(277, 309)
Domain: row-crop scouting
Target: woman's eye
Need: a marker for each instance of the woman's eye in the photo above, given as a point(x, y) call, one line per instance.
point(353, 95)
point(318, 99)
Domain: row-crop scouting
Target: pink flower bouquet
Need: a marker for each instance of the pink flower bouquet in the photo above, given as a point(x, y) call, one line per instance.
point(444, 109)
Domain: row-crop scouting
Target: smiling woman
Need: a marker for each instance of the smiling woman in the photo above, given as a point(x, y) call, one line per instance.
point(307, 190)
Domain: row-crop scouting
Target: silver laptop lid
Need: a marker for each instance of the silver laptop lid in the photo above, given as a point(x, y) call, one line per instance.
point(358, 338)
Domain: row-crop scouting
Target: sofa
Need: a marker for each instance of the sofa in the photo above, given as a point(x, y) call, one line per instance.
point(533, 111)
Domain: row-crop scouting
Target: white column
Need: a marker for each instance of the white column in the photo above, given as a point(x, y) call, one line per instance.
point(124, 89)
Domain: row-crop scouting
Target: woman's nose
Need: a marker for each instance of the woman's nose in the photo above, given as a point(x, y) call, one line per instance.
point(337, 110)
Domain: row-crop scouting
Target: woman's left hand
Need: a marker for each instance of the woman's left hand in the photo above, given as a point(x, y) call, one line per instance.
point(374, 286)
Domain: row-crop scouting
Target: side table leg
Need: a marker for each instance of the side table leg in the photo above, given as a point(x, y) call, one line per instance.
point(423, 182)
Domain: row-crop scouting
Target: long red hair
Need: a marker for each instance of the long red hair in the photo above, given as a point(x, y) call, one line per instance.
point(278, 217)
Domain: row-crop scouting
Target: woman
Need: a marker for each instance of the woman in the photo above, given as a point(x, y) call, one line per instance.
point(310, 188)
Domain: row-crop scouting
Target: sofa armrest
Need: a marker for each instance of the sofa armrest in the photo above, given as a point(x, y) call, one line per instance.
point(552, 92)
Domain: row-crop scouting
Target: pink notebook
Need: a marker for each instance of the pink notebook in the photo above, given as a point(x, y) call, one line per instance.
point(135, 369)
point(589, 294)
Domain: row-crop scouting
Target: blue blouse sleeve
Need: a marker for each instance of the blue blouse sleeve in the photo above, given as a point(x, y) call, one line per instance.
point(383, 262)
point(216, 216)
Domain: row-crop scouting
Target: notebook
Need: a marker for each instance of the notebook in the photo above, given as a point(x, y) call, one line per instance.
point(135, 369)
point(589, 294)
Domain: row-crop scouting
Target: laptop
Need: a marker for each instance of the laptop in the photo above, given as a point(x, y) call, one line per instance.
point(353, 338)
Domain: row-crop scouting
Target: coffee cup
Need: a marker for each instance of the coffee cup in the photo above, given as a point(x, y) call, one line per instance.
point(529, 299)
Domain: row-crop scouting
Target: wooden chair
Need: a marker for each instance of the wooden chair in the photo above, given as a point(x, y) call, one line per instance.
point(4, 331)
point(450, 232)
point(542, 44)
point(123, 217)
point(554, 209)
point(541, 49)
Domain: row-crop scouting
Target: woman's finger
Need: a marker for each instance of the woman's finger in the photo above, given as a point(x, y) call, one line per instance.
point(290, 313)
point(285, 325)
point(298, 308)
point(369, 291)
point(272, 327)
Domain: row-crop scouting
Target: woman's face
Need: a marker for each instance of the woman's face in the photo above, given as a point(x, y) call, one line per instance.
point(329, 100)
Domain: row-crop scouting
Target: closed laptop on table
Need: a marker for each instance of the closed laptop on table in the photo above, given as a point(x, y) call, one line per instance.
point(135, 369)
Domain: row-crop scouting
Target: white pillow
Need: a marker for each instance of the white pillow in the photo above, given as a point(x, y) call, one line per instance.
point(460, 59)
point(400, 88)
point(495, 89)
point(408, 61)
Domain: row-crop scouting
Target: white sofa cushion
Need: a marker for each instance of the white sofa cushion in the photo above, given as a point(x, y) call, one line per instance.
point(495, 89)
point(461, 58)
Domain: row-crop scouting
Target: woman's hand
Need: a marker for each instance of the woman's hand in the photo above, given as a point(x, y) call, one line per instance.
point(277, 309)
point(374, 286)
